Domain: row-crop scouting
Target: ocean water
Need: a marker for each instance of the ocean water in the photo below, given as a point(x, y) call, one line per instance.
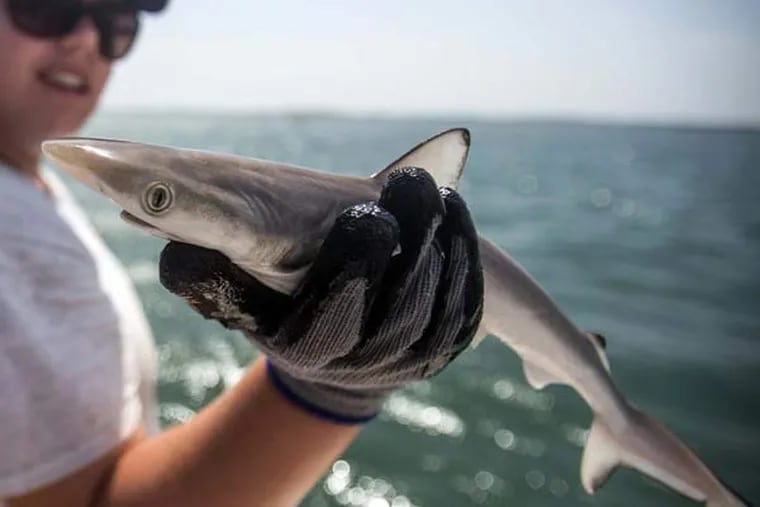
point(650, 235)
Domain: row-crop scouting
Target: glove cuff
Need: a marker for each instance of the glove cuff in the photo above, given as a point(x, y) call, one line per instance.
point(326, 402)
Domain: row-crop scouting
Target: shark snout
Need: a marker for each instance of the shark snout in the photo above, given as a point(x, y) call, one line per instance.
point(83, 159)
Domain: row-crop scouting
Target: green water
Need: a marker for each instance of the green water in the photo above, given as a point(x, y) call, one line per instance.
point(649, 235)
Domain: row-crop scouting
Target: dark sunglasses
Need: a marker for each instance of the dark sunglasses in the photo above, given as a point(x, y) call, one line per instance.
point(117, 22)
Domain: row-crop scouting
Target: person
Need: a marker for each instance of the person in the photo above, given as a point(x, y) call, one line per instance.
point(77, 364)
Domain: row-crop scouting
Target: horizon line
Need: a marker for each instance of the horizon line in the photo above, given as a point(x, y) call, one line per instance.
point(558, 118)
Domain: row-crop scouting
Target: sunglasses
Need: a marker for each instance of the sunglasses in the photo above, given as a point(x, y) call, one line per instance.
point(117, 23)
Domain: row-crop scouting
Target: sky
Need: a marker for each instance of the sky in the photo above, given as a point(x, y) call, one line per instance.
point(684, 61)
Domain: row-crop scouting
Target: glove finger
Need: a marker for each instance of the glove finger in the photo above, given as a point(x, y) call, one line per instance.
point(402, 309)
point(331, 305)
point(459, 302)
point(411, 197)
point(218, 289)
point(395, 327)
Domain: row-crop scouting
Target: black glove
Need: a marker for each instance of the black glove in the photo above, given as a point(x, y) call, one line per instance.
point(366, 319)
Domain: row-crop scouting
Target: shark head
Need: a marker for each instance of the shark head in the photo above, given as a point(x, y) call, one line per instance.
point(269, 218)
point(170, 193)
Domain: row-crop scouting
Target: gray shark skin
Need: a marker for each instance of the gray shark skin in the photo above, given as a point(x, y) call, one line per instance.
point(269, 218)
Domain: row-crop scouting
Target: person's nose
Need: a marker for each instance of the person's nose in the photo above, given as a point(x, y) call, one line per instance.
point(84, 37)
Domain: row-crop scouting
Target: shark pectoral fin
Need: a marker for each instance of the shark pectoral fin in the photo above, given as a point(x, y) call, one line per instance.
point(443, 156)
point(600, 458)
point(537, 377)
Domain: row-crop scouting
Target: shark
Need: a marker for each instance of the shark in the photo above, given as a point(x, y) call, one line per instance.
point(270, 218)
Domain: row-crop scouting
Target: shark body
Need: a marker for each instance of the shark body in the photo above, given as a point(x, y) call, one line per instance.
point(270, 218)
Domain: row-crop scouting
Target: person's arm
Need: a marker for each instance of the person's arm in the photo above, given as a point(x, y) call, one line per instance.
point(250, 446)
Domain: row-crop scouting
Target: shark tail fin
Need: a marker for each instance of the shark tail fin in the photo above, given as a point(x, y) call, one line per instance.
point(443, 156)
point(646, 445)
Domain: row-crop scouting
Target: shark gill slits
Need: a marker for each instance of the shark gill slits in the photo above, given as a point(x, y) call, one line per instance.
point(157, 198)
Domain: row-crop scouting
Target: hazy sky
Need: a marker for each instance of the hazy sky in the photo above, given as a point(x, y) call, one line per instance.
point(672, 60)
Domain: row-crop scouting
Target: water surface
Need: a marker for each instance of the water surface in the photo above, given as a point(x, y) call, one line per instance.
point(648, 235)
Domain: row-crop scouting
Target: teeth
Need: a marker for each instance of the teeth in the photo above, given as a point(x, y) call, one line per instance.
point(66, 80)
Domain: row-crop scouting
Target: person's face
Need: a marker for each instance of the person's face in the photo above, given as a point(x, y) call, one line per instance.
point(49, 86)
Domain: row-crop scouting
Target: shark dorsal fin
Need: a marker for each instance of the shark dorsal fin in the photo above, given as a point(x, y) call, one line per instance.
point(443, 156)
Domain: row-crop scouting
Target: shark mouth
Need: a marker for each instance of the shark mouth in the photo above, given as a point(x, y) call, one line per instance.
point(145, 226)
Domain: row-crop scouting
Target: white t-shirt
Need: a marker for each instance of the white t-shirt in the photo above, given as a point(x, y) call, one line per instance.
point(77, 360)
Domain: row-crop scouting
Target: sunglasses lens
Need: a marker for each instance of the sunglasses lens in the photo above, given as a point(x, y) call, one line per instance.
point(117, 29)
point(117, 22)
point(45, 18)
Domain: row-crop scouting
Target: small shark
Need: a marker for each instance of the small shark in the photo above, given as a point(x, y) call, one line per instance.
point(270, 218)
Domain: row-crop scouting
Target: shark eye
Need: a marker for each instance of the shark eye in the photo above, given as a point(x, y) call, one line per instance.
point(157, 198)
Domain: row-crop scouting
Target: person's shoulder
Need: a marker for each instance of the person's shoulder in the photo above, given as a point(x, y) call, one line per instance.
point(34, 236)
point(28, 217)
point(46, 273)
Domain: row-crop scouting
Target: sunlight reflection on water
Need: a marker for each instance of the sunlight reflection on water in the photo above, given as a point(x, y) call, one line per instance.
point(509, 391)
point(421, 416)
point(363, 491)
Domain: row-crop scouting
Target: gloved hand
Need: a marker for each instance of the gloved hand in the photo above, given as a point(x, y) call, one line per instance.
point(366, 319)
